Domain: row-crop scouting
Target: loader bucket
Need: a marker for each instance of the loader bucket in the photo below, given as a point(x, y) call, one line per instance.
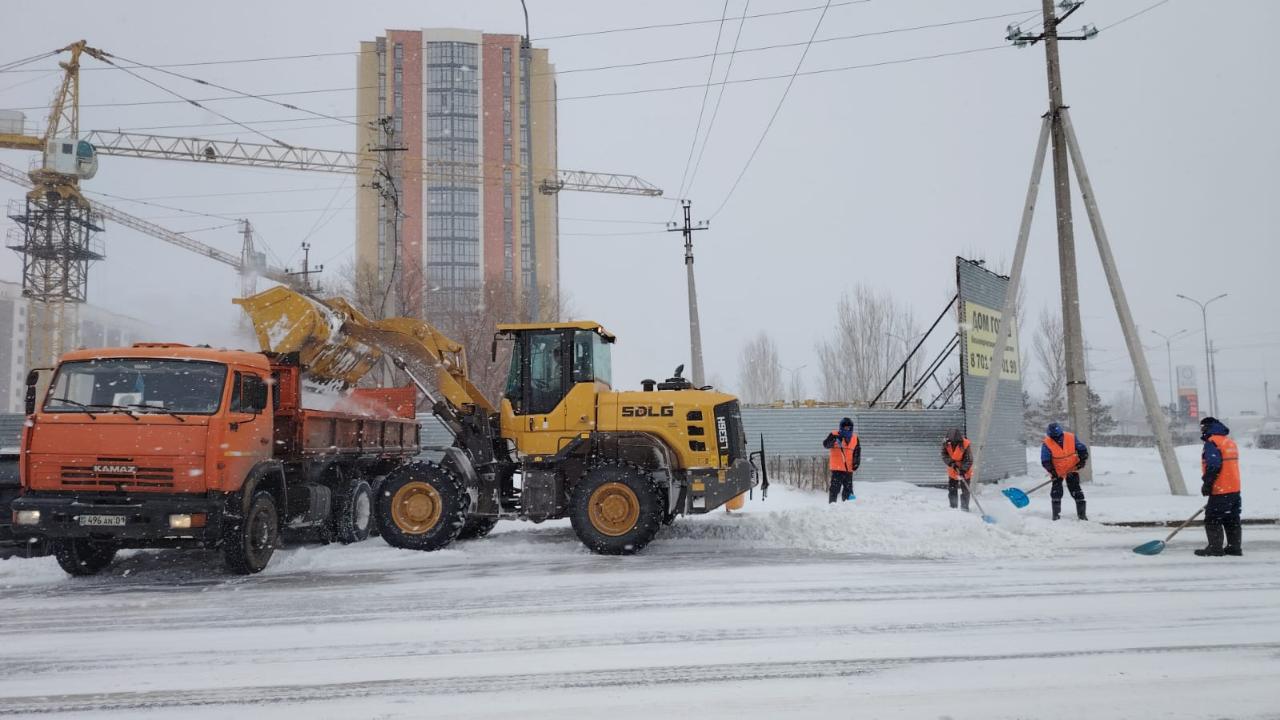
point(286, 321)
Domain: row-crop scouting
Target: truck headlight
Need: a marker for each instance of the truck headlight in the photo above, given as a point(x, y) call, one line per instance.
point(26, 517)
point(186, 521)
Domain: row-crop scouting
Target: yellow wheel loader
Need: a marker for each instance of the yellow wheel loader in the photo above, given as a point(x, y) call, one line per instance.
point(560, 442)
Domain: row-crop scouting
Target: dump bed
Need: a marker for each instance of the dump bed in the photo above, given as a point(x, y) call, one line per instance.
point(370, 423)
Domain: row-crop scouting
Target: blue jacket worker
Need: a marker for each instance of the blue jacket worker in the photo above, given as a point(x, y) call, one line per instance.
point(845, 457)
point(1062, 456)
point(1220, 482)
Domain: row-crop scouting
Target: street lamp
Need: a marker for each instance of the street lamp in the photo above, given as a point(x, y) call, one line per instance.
point(793, 371)
point(1168, 347)
point(1204, 320)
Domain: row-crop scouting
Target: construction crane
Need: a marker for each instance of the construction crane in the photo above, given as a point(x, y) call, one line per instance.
point(58, 226)
point(250, 263)
point(57, 243)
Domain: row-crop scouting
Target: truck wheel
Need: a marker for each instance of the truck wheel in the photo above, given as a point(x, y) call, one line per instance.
point(422, 506)
point(81, 557)
point(477, 527)
point(247, 546)
point(616, 509)
point(353, 513)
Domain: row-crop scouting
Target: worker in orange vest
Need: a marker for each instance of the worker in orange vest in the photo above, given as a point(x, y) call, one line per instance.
point(955, 453)
point(1220, 475)
point(1062, 455)
point(845, 457)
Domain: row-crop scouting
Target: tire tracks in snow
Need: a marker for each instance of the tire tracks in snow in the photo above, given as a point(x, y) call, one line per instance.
point(528, 682)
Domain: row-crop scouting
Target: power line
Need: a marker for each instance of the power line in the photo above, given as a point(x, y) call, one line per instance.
point(687, 23)
point(702, 107)
point(176, 94)
point(235, 194)
point(233, 90)
point(719, 97)
point(613, 220)
point(163, 207)
point(772, 117)
point(13, 65)
point(1127, 18)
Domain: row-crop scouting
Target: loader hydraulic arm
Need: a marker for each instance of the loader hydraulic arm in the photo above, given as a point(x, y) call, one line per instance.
point(337, 344)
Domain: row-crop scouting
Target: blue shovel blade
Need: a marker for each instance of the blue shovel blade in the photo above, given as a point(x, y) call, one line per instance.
point(1017, 497)
point(988, 520)
point(1150, 548)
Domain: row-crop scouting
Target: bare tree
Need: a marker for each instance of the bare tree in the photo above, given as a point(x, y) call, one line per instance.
point(1049, 352)
point(795, 387)
point(870, 334)
point(759, 374)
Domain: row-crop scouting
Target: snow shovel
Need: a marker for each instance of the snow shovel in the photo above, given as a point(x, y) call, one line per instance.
point(1156, 546)
point(1019, 498)
point(988, 519)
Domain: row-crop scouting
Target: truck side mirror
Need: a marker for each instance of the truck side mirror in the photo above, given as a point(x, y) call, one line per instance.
point(35, 379)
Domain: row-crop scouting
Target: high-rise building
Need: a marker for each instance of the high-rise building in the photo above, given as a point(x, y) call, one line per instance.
point(459, 128)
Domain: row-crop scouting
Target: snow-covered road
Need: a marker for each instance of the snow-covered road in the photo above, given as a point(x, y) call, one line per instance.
point(759, 615)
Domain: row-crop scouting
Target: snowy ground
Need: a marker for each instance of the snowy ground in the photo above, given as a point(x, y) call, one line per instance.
point(891, 606)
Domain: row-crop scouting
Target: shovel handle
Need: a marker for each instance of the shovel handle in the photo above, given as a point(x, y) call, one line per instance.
point(1046, 482)
point(1183, 525)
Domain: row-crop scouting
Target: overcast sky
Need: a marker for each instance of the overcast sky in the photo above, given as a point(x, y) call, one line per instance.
point(879, 175)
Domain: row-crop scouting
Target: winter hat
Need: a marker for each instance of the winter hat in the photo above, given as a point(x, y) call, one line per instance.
point(846, 423)
point(1054, 430)
point(955, 436)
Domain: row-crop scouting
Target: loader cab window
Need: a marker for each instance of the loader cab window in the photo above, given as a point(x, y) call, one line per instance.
point(546, 371)
point(592, 358)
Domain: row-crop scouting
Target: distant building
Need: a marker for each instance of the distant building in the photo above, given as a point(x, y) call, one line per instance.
point(474, 118)
point(97, 328)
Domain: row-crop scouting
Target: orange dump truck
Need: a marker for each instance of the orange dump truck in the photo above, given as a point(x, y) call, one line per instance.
point(166, 445)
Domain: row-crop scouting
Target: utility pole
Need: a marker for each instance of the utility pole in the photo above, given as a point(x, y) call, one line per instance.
point(1208, 363)
point(307, 271)
point(1057, 126)
point(1168, 348)
point(695, 329)
point(1213, 376)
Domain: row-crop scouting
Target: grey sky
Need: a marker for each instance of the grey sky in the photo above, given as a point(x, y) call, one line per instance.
point(879, 175)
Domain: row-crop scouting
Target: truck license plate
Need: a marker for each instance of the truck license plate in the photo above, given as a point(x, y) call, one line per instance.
point(102, 520)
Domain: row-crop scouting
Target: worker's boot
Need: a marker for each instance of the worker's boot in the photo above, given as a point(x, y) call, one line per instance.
point(1213, 531)
point(1080, 510)
point(1057, 509)
point(952, 494)
point(1233, 540)
point(964, 503)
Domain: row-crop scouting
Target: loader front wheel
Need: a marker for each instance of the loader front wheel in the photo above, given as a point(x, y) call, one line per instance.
point(422, 506)
point(616, 509)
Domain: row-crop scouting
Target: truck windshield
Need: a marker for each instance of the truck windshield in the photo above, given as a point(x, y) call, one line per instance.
point(177, 386)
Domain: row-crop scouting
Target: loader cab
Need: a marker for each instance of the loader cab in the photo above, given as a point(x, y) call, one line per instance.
point(549, 361)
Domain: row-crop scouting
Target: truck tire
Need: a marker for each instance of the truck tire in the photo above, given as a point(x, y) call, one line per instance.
point(353, 513)
point(422, 506)
point(81, 557)
point(616, 508)
point(477, 527)
point(247, 544)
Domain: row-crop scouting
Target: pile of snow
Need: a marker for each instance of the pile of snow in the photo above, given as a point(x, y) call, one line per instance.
point(889, 519)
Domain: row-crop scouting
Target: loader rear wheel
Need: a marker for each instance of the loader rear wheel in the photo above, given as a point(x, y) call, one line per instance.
point(616, 509)
point(82, 557)
point(422, 506)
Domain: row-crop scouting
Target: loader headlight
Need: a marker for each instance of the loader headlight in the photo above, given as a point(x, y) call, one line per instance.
point(26, 517)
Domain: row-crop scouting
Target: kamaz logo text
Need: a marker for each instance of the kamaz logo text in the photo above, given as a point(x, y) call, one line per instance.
point(645, 411)
point(115, 469)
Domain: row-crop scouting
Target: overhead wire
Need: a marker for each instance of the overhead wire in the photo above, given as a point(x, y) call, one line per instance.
point(781, 100)
point(719, 97)
point(107, 59)
point(687, 23)
point(13, 65)
point(702, 107)
point(1127, 18)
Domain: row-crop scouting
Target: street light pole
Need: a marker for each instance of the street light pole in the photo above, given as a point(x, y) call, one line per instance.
point(1168, 347)
point(1204, 321)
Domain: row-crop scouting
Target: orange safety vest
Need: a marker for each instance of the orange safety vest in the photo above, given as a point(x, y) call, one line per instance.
point(957, 454)
point(842, 454)
point(1065, 458)
point(1229, 477)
